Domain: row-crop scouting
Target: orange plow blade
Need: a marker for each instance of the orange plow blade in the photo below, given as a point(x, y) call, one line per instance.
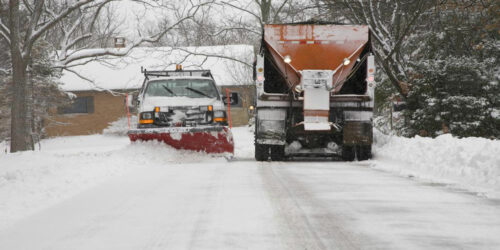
point(212, 140)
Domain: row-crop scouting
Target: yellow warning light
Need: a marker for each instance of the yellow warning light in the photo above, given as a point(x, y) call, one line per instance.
point(146, 121)
point(220, 119)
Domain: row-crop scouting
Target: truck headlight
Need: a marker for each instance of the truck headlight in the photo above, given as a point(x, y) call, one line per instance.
point(146, 116)
point(207, 108)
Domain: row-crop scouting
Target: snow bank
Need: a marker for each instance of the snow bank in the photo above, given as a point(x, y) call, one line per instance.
point(469, 163)
point(4, 147)
point(66, 166)
point(244, 143)
point(120, 126)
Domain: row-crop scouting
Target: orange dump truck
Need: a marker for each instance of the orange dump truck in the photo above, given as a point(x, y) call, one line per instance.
point(315, 92)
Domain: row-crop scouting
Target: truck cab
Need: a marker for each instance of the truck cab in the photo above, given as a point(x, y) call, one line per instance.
point(180, 99)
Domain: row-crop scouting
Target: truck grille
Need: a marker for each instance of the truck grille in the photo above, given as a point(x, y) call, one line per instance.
point(182, 116)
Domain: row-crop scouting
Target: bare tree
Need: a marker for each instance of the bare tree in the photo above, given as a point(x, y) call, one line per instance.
point(251, 15)
point(391, 22)
point(28, 21)
point(270, 11)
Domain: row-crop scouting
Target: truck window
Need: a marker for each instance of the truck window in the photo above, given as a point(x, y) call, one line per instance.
point(192, 88)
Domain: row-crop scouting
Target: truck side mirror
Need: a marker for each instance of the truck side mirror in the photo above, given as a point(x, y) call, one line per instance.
point(136, 100)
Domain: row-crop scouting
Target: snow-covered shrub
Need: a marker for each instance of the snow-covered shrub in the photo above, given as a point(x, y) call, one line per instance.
point(454, 74)
point(456, 95)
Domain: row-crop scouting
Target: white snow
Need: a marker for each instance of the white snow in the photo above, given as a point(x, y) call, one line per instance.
point(176, 136)
point(121, 126)
point(101, 192)
point(470, 163)
point(65, 166)
point(118, 73)
point(31, 181)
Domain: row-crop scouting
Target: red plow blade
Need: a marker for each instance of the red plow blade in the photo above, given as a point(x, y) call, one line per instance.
point(213, 140)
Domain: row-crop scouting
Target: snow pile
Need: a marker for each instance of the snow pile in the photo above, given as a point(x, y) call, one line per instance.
point(34, 180)
point(4, 147)
point(471, 163)
point(244, 143)
point(120, 126)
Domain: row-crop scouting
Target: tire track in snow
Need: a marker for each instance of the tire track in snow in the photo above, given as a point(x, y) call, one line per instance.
point(295, 229)
point(289, 197)
point(212, 194)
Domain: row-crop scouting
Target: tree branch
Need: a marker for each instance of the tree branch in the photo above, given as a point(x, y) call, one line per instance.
point(37, 33)
point(81, 54)
point(215, 56)
point(278, 11)
point(236, 28)
point(35, 17)
point(113, 93)
point(4, 31)
point(244, 10)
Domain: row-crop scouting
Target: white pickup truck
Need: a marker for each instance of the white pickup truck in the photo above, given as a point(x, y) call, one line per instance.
point(183, 108)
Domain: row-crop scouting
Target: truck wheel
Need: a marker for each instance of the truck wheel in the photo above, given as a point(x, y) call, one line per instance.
point(347, 153)
point(364, 152)
point(261, 152)
point(277, 153)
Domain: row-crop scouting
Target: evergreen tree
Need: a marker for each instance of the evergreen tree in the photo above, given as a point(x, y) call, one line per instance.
point(454, 74)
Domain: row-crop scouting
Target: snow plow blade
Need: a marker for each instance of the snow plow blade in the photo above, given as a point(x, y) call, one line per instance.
point(212, 140)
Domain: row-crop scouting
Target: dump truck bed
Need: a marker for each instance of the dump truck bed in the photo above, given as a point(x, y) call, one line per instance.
point(315, 47)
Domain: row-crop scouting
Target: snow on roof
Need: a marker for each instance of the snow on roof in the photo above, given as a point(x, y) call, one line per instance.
point(115, 73)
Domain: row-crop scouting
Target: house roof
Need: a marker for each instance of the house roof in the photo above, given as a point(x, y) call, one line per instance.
point(113, 73)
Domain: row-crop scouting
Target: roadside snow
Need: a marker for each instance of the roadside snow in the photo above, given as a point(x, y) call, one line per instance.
point(469, 163)
point(243, 143)
point(120, 126)
point(65, 166)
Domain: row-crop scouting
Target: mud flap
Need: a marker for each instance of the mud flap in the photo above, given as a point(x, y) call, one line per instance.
point(212, 140)
point(358, 133)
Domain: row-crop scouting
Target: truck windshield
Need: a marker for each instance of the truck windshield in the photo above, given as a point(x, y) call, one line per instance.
point(193, 88)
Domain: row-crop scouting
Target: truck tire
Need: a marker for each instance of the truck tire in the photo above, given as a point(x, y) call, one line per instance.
point(277, 153)
point(364, 152)
point(261, 152)
point(348, 153)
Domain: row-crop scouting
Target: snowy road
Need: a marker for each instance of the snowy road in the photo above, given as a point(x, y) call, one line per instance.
point(187, 201)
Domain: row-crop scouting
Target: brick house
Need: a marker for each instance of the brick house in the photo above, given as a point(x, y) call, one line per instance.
point(91, 112)
point(102, 101)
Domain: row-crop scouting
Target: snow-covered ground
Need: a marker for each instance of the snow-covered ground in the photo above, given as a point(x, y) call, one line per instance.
point(100, 191)
point(65, 166)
